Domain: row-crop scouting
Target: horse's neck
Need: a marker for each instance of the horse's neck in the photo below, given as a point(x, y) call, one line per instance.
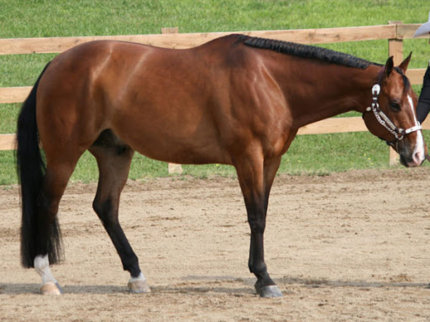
point(346, 89)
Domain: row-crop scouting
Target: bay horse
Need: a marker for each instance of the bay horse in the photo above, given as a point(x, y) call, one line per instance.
point(236, 100)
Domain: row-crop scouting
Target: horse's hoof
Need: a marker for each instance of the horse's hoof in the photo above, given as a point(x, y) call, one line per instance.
point(51, 289)
point(139, 286)
point(269, 291)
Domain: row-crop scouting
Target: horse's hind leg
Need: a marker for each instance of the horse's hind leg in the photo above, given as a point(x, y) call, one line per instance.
point(114, 159)
point(48, 200)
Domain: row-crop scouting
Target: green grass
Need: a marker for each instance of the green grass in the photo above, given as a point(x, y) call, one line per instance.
point(309, 154)
point(48, 18)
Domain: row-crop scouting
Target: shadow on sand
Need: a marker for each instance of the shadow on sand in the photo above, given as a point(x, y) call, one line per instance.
point(210, 284)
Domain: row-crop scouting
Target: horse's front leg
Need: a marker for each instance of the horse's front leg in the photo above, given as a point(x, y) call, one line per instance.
point(256, 179)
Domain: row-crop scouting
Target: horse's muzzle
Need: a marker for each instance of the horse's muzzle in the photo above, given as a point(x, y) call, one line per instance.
point(415, 160)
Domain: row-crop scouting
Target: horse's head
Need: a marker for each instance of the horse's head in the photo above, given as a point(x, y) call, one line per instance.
point(392, 114)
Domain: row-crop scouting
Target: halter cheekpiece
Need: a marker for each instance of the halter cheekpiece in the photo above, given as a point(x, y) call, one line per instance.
point(385, 121)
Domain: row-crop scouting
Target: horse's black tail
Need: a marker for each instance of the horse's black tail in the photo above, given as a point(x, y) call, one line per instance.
point(38, 237)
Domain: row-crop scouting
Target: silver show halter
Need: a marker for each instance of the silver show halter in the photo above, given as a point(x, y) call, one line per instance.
point(384, 120)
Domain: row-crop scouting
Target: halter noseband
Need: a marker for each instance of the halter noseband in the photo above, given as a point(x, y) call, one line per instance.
point(385, 121)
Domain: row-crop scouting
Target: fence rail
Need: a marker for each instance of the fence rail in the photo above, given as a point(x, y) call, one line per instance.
point(394, 33)
point(187, 40)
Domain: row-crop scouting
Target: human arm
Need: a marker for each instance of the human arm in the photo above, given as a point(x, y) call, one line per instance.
point(423, 107)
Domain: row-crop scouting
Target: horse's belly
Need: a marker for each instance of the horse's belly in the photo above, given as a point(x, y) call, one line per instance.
point(176, 142)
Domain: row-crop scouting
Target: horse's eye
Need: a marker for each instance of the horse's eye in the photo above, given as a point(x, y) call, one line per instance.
point(395, 106)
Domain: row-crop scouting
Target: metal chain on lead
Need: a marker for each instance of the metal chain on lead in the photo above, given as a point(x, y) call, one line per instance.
point(384, 124)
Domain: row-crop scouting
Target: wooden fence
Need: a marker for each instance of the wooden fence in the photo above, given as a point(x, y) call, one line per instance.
point(394, 33)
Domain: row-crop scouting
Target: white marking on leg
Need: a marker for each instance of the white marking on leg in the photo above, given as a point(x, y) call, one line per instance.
point(138, 284)
point(141, 277)
point(41, 264)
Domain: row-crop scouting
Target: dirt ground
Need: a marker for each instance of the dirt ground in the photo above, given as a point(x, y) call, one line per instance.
point(346, 247)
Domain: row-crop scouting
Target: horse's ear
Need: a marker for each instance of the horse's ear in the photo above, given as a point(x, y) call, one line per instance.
point(404, 65)
point(389, 65)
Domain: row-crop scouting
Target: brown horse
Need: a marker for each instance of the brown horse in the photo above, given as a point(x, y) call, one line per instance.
point(236, 100)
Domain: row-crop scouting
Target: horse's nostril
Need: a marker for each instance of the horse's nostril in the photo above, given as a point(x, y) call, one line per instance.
point(418, 157)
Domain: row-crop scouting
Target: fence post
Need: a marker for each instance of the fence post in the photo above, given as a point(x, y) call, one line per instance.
point(395, 49)
point(173, 168)
point(170, 30)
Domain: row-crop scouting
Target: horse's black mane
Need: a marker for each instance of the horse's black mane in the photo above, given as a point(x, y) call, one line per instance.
point(305, 51)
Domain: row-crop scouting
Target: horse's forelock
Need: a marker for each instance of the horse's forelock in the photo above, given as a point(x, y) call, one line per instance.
point(406, 82)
